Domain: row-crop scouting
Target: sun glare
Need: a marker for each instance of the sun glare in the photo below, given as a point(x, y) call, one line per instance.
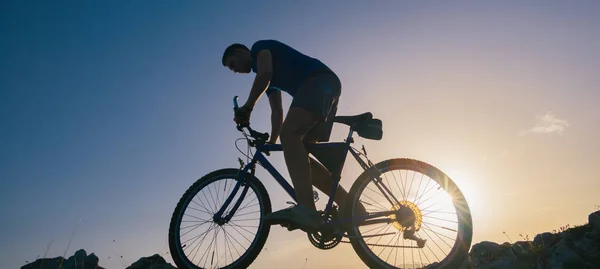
point(464, 183)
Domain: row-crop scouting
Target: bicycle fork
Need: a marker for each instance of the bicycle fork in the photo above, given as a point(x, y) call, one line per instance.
point(240, 183)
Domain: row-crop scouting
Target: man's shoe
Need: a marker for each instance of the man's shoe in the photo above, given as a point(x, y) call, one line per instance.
point(296, 217)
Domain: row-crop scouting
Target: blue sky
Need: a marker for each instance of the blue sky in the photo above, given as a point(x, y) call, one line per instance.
point(110, 109)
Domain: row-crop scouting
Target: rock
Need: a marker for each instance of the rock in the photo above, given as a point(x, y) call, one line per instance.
point(485, 247)
point(467, 264)
point(153, 262)
point(577, 247)
point(79, 260)
point(594, 221)
point(520, 248)
point(545, 239)
point(561, 255)
point(491, 254)
point(540, 262)
point(484, 252)
point(508, 253)
point(45, 263)
point(90, 260)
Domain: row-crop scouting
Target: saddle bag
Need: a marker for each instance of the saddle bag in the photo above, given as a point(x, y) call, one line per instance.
point(370, 129)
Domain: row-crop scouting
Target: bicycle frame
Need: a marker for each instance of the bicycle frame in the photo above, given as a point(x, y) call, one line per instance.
point(341, 147)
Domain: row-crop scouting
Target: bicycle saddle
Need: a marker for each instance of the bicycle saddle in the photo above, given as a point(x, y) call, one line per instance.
point(351, 120)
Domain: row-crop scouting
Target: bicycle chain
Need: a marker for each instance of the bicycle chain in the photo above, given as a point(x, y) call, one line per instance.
point(380, 245)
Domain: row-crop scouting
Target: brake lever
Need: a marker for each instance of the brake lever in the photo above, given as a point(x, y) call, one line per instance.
point(235, 104)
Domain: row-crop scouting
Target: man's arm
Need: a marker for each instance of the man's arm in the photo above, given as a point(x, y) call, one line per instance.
point(276, 115)
point(264, 71)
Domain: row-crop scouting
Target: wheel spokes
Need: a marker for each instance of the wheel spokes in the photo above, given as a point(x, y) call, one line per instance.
point(208, 244)
point(432, 215)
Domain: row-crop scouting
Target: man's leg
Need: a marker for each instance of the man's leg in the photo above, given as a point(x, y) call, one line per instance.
point(321, 178)
point(297, 123)
point(311, 105)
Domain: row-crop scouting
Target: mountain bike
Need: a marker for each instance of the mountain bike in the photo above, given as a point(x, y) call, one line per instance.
point(397, 206)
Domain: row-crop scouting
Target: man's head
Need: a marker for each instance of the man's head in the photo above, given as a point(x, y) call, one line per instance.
point(237, 58)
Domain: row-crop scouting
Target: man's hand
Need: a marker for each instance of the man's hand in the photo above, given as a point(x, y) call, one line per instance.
point(242, 115)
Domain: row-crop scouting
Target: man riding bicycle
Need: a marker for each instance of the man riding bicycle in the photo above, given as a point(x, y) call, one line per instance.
point(315, 89)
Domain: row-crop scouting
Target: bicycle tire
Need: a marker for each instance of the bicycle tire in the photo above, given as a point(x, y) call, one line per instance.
point(461, 247)
point(180, 259)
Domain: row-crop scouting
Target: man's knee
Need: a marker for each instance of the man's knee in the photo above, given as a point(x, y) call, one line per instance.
point(296, 125)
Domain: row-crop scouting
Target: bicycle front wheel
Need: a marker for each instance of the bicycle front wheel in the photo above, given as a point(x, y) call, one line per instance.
point(196, 241)
point(431, 207)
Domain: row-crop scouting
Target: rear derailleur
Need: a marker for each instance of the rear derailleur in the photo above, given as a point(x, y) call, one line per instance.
point(409, 233)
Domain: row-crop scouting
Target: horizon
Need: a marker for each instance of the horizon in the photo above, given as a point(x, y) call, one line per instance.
point(111, 110)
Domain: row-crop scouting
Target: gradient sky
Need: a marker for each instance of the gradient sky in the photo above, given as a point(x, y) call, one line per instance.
point(109, 110)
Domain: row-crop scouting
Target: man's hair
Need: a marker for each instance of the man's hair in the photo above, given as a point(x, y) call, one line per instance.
point(231, 49)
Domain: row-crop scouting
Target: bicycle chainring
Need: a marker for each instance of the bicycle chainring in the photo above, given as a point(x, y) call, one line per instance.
point(324, 242)
point(329, 236)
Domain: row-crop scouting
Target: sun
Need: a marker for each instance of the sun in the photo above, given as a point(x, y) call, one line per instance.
point(466, 185)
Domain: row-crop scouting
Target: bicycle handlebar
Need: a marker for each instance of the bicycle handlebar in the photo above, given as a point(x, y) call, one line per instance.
point(254, 134)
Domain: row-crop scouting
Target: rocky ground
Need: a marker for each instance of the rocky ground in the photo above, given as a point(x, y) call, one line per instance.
point(81, 260)
point(570, 248)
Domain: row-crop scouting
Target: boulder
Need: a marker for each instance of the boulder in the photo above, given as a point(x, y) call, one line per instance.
point(44, 263)
point(487, 252)
point(594, 221)
point(562, 255)
point(546, 239)
point(79, 260)
point(153, 262)
point(521, 248)
point(577, 247)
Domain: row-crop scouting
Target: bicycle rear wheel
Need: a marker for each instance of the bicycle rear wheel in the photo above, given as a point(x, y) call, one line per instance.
point(438, 212)
point(196, 241)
